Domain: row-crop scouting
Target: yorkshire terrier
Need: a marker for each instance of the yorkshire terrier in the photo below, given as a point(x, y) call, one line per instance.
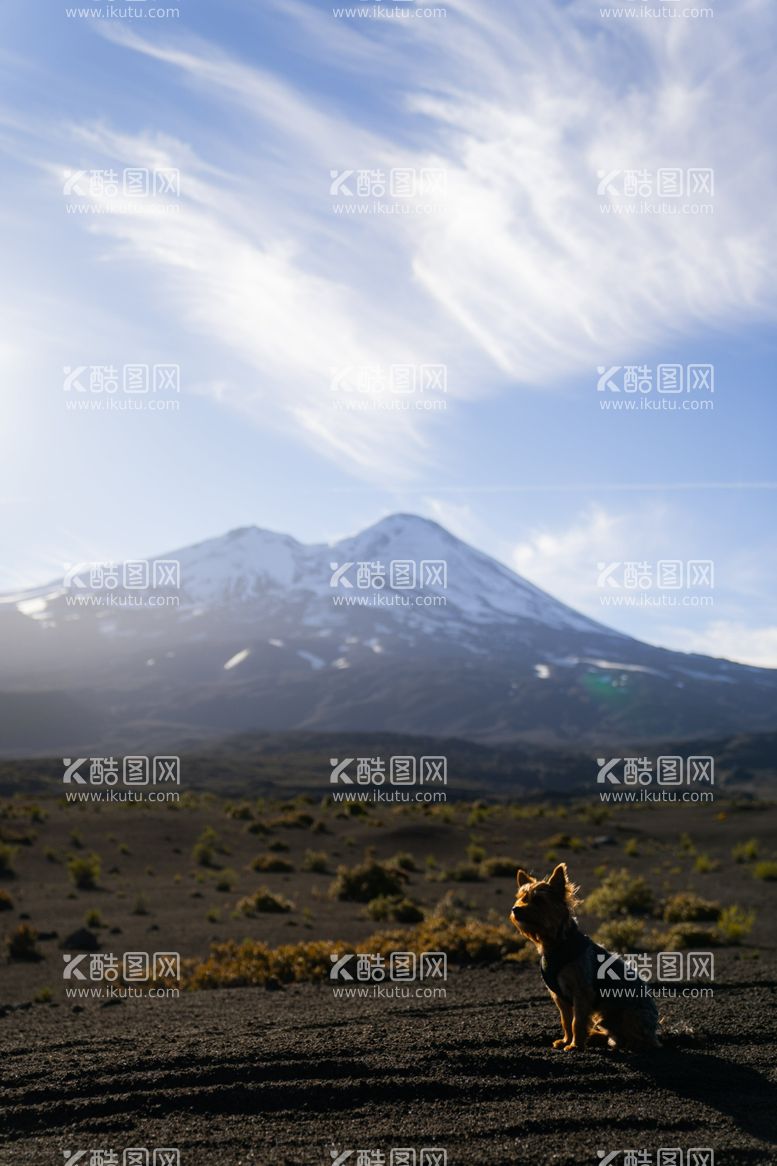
point(570, 964)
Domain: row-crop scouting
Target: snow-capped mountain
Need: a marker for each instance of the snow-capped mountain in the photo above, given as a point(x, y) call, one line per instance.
point(400, 628)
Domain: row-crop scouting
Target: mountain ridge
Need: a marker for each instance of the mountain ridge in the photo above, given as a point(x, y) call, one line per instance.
point(367, 633)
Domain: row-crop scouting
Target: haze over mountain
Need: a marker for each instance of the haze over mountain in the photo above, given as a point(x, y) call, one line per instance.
point(271, 634)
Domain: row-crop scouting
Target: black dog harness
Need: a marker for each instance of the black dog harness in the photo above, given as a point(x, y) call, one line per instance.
point(574, 943)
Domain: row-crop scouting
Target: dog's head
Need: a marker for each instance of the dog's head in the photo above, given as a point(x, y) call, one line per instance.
point(543, 906)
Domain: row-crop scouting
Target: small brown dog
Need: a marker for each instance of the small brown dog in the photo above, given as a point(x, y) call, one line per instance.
point(571, 965)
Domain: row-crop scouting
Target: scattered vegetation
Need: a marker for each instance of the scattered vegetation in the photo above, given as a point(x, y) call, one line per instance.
point(734, 924)
point(231, 964)
point(687, 907)
point(204, 851)
point(704, 864)
point(272, 863)
point(500, 867)
point(404, 861)
point(84, 871)
point(565, 842)
point(22, 945)
point(395, 909)
point(294, 820)
point(241, 813)
point(463, 872)
point(622, 935)
point(226, 880)
point(745, 851)
point(367, 880)
point(621, 894)
point(7, 856)
point(263, 901)
point(315, 861)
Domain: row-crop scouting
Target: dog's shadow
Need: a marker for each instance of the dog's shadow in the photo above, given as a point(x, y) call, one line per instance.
point(742, 1094)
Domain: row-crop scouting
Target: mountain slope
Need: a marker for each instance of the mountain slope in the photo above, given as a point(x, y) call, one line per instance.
point(265, 633)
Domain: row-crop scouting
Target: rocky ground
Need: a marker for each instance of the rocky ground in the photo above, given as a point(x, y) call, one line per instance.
point(297, 1076)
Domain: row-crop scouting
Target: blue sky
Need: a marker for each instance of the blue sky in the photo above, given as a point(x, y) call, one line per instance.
point(515, 280)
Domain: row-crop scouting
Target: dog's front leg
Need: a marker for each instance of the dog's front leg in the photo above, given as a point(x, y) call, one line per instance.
point(565, 1011)
point(580, 1021)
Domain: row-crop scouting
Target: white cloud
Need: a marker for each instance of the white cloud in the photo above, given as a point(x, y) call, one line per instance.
point(520, 278)
point(525, 261)
point(564, 562)
point(731, 640)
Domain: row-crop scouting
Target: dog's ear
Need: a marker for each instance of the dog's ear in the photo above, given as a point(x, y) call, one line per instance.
point(522, 877)
point(559, 879)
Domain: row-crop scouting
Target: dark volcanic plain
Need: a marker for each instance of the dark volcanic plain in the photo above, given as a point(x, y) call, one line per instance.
point(289, 1074)
point(251, 1076)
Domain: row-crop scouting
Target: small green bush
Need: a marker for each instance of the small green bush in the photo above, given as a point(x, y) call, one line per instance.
point(622, 935)
point(226, 880)
point(704, 864)
point(766, 871)
point(687, 907)
point(745, 851)
point(241, 813)
point(7, 856)
point(500, 867)
point(349, 809)
point(84, 871)
point(734, 924)
point(294, 820)
point(404, 861)
point(315, 861)
point(688, 935)
point(367, 880)
point(272, 863)
point(22, 944)
point(565, 842)
point(264, 901)
point(621, 894)
point(394, 908)
point(464, 872)
point(204, 851)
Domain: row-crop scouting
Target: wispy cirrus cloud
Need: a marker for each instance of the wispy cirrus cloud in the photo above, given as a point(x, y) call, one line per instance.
point(519, 277)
